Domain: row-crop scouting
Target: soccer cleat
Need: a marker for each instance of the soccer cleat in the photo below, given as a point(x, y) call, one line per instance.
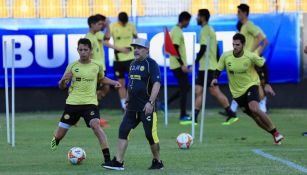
point(230, 121)
point(156, 165)
point(304, 134)
point(53, 144)
point(114, 165)
point(185, 120)
point(277, 138)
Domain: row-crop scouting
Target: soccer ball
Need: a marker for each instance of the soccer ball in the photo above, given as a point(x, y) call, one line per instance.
point(75, 155)
point(184, 141)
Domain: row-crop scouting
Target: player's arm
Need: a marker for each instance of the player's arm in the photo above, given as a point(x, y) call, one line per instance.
point(260, 63)
point(106, 80)
point(119, 49)
point(153, 95)
point(65, 79)
point(220, 67)
point(155, 79)
point(107, 34)
point(201, 52)
point(262, 43)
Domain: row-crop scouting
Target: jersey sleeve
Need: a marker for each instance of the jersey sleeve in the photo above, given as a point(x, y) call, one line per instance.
point(203, 38)
point(154, 72)
point(221, 63)
point(259, 61)
point(176, 37)
point(68, 69)
point(99, 36)
point(100, 73)
point(253, 29)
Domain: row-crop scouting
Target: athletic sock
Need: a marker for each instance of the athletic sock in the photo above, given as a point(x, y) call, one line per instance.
point(262, 105)
point(57, 141)
point(196, 114)
point(229, 112)
point(234, 106)
point(122, 102)
point(273, 131)
point(106, 155)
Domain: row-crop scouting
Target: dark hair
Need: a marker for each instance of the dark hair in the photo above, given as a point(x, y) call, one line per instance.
point(244, 8)
point(123, 17)
point(85, 41)
point(184, 16)
point(239, 36)
point(92, 20)
point(101, 17)
point(204, 13)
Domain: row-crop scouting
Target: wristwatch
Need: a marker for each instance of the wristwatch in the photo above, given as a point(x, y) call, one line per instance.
point(151, 102)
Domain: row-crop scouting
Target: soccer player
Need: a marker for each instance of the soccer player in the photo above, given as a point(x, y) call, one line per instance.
point(83, 75)
point(143, 88)
point(244, 82)
point(256, 42)
point(97, 23)
point(179, 66)
point(122, 33)
point(208, 34)
point(305, 50)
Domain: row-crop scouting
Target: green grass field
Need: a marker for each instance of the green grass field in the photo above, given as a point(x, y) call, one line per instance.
point(225, 150)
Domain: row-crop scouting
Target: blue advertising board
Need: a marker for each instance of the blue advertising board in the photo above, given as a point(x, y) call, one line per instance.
point(44, 47)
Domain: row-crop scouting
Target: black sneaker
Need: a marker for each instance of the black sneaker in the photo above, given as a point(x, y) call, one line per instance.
point(156, 165)
point(114, 165)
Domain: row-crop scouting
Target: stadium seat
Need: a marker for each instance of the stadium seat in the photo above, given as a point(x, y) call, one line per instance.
point(228, 6)
point(289, 6)
point(140, 8)
point(259, 6)
point(126, 7)
point(50, 9)
point(3, 9)
point(201, 4)
point(24, 9)
point(78, 8)
point(304, 6)
point(104, 7)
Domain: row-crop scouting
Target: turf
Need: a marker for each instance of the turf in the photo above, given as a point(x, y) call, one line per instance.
point(225, 149)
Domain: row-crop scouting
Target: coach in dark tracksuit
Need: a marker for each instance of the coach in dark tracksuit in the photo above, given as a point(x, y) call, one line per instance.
point(143, 88)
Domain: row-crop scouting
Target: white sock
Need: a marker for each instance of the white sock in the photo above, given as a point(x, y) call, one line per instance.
point(234, 106)
point(122, 102)
point(262, 105)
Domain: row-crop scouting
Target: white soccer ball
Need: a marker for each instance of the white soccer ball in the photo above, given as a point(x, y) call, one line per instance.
point(76, 155)
point(184, 141)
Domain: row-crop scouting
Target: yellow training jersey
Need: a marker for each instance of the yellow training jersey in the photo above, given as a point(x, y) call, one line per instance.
point(206, 33)
point(123, 37)
point(83, 86)
point(178, 39)
point(100, 37)
point(250, 31)
point(241, 71)
point(97, 50)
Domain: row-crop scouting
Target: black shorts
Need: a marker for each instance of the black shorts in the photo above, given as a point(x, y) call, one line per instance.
point(121, 68)
point(131, 121)
point(73, 113)
point(252, 94)
point(200, 78)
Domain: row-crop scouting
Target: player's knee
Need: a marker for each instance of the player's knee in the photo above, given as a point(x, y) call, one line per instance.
point(150, 138)
point(213, 91)
point(253, 107)
point(94, 124)
point(123, 133)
